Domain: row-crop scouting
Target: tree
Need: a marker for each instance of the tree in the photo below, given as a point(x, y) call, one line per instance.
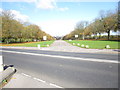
point(80, 28)
point(96, 28)
point(16, 31)
point(7, 18)
point(110, 22)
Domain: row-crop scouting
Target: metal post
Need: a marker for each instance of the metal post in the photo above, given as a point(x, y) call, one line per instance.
point(1, 64)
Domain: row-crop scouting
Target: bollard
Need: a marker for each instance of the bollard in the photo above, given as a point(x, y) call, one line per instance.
point(38, 46)
point(73, 43)
point(1, 64)
point(87, 46)
point(107, 46)
point(47, 45)
point(82, 45)
point(78, 44)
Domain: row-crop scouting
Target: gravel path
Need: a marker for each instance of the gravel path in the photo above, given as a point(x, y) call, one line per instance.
point(60, 45)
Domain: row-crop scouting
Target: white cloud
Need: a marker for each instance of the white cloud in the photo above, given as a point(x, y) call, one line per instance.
point(49, 4)
point(63, 9)
point(58, 27)
point(18, 0)
point(45, 4)
point(0, 9)
point(20, 16)
point(42, 4)
point(63, 0)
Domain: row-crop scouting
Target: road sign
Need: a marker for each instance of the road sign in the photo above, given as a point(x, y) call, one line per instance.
point(44, 38)
point(76, 36)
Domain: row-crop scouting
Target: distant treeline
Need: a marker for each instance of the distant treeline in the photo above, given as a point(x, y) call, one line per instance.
point(13, 30)
point(106, 22)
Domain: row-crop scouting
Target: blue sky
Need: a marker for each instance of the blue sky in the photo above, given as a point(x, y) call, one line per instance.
point(57, 18)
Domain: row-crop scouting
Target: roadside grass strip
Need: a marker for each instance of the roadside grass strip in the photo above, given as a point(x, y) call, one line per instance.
point(66, 57)
point(95, 44)
point(30, 44)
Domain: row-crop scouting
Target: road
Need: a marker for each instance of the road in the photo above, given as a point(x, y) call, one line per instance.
point(68, 70)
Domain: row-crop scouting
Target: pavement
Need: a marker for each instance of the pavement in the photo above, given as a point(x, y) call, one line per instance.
point(62, 66)
point(21, 80)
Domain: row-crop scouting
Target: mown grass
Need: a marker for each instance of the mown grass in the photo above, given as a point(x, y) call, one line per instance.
point(29, 44)
point(96, 44)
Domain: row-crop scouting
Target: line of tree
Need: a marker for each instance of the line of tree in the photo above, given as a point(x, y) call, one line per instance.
point(107, 21)
point(13, 30)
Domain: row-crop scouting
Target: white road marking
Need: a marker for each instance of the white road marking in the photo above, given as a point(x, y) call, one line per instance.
point(55, 85)
point(25, 75)
point(66, 57)
point(39, 80)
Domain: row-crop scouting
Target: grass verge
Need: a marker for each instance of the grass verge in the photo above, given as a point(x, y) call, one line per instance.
point(30, 44)
point(95, 44)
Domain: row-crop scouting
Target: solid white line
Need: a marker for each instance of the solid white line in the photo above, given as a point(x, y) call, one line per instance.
point(55, 85)
point(65, 57)
point(25, 75)
point(39, 80)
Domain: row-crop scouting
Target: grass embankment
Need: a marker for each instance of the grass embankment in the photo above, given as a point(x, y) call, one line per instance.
point(29, 44)
point(96, 44)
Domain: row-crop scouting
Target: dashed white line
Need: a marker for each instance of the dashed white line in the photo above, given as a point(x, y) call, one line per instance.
point(67, 57)
point(55, 85)
point(40, 80)
point(51, 84)
point(26, 75)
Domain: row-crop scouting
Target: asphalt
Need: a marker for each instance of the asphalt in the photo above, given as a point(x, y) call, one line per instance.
point(106, 56)
point(67, 73)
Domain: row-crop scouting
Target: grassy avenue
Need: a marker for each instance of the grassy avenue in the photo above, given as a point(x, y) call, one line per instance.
point(93, 44)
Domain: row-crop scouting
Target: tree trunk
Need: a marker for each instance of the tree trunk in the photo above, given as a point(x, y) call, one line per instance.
point(108, 34)
point(99, 35)
point(96, 36)
point(83, 36)
point(20, 40)
point(7, 41)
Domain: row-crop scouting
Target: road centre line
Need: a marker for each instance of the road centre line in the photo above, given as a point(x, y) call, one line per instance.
point(55, 85)
point(25, 75)
point(66, 57)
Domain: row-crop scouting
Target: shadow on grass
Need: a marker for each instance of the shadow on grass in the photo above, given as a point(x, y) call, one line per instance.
point(110, 40)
